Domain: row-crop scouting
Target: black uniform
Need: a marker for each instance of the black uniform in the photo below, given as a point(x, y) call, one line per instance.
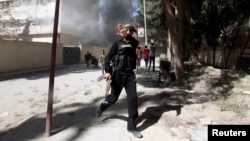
point(122, 56)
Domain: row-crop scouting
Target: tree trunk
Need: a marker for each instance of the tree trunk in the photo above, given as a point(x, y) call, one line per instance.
point(169, 48)
point(180, 7)
point(175, 39)
point(214, 56)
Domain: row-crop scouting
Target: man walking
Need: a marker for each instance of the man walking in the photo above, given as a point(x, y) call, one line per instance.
point(138, 56)
point(152, 49)
point(145, 53)
point(123, 57)
point(101, 61)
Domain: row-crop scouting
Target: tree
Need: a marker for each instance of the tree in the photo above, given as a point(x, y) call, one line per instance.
point(156, 23)
point(163, 16)
point(174, 13)
point(216, 16)
point(193, 22)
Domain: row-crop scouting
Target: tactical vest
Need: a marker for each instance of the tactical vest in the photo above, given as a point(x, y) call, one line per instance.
point(125, 59)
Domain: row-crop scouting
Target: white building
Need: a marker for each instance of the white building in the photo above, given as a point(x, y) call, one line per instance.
point(33, 20)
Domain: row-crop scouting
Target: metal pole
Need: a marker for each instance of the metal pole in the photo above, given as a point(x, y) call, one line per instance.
point(52, 71)
point(145, 23)
point(137, 37)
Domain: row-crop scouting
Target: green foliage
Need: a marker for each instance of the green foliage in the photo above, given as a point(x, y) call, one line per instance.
point(204, 20)
point(165, 64)
point(216, 15)
point(156, 26)
point(165, 67)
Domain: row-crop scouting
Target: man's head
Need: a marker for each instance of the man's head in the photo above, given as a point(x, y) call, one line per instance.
point(130, 28)
point(102, 51)
point(151, 41)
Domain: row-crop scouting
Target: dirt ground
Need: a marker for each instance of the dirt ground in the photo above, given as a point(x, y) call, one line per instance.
point(206, 95)
point(207, 92)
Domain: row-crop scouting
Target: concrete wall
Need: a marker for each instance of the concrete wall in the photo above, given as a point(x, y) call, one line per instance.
point(23, 55)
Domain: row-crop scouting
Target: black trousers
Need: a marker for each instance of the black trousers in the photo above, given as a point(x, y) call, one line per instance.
point(126, 80)
point(152, 60)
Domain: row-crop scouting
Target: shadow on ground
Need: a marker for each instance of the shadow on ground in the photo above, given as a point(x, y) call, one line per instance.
point(83, 115)
point(215, 83)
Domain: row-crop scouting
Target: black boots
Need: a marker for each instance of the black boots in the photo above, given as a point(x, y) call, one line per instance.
point(98, 112)
point(101, 108)
point(131, 128)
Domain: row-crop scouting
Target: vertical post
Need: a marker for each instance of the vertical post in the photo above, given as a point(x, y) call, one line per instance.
point(145, 23)
point(137, 36)
point(52, 71)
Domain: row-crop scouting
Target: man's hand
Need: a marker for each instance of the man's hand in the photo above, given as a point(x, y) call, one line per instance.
point(123, 32)
point(120, 26)
point(107, 76)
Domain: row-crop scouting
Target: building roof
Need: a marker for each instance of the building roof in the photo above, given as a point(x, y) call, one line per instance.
point(5, 0)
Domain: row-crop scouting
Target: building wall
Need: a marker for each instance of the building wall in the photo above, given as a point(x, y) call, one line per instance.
point(69, 39)
point(26, 18)
point(29, 20)
point(23, 55)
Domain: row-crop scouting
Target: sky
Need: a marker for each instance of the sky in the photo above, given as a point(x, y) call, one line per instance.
point(135, 7)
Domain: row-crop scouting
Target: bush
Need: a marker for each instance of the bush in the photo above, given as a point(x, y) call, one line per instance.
point(165, 65)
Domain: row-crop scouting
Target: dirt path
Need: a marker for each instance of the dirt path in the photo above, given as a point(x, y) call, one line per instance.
point(177, 111)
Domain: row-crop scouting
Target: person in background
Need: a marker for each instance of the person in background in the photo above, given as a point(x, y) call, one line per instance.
point(122, 54)
point(101, 61)
point(145, 53)
point(88, 58)
point(139, 56)
point(152, 48)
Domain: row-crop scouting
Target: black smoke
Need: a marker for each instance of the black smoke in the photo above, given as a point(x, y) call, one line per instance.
point(114, 12)
point(81, 18)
